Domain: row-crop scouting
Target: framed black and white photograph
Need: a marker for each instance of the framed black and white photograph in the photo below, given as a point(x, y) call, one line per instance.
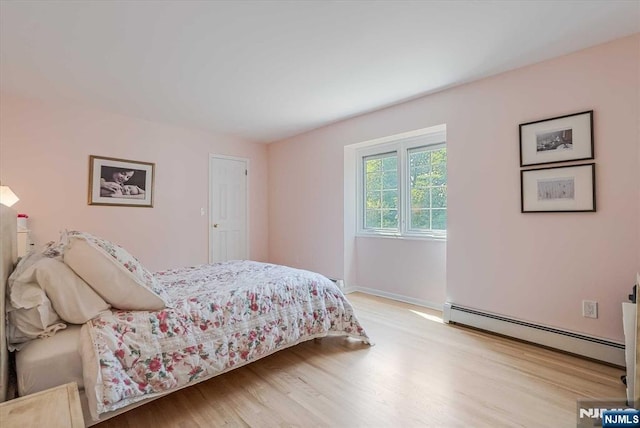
point(558, 189)
point(120, 182)
point(560, 139)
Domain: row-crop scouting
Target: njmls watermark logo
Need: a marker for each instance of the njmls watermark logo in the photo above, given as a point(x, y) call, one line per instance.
point(607, 413)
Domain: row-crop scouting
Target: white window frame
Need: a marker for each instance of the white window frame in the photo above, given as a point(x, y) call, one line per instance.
point(435, 138)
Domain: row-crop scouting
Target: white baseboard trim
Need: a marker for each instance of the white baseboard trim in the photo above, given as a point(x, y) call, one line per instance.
point(568, 341)
point(392, 296)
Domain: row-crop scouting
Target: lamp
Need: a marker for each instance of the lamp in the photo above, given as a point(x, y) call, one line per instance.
point(7, 197)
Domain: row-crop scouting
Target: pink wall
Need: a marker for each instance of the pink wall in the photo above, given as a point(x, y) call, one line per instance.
point(417, 274)
point(44, 157)
point(305, 198)
point(536, 267)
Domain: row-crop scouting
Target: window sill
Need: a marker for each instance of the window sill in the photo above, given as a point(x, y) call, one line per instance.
point(402, 237)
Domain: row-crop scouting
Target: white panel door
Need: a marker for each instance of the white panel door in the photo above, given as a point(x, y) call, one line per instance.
point(228, 209)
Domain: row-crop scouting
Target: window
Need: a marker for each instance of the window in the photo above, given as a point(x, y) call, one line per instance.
point(403, 187)
point(428, 188)
point(381, 190)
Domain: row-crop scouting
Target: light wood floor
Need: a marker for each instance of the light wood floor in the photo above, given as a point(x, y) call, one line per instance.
point(419, 373)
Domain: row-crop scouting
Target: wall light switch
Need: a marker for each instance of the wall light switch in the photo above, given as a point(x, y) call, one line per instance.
point(202, 212)
point(589, 309)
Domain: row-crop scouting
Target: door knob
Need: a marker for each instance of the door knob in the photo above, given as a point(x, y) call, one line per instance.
point(215, 225)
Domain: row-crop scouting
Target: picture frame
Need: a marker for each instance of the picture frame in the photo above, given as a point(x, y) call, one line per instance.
point(559, 139)
point(558, 189)
point(120, 182)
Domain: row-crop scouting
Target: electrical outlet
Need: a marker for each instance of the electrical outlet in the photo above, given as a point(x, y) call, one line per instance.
point(589, 309)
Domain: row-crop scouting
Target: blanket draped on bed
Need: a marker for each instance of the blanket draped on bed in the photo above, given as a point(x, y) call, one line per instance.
point(221, 316)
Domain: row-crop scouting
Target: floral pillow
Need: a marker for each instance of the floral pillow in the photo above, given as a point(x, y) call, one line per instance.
point(117, 276)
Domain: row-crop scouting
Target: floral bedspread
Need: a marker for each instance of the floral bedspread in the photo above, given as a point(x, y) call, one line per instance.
point(221, 316)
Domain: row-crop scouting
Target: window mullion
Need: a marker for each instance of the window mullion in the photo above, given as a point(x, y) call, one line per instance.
point(402, 183)
point(431, 205)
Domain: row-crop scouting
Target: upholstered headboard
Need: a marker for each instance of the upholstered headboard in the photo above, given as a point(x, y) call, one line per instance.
point(8, 255)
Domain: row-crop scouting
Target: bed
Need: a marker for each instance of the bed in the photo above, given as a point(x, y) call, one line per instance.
point(125, 343)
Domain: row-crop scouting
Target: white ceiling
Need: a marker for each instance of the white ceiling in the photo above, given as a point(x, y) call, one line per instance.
point(266, 70)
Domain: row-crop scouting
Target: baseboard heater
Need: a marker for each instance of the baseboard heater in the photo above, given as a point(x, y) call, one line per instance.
point(575, 343)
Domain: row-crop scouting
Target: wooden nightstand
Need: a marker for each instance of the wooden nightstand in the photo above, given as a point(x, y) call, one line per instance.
point(57, 407)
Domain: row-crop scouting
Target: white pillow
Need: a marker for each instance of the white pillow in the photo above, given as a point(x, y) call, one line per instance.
point(29, 311)
point(113, 273)
point(71, 297)
point(24, 271)
point(30, 315)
